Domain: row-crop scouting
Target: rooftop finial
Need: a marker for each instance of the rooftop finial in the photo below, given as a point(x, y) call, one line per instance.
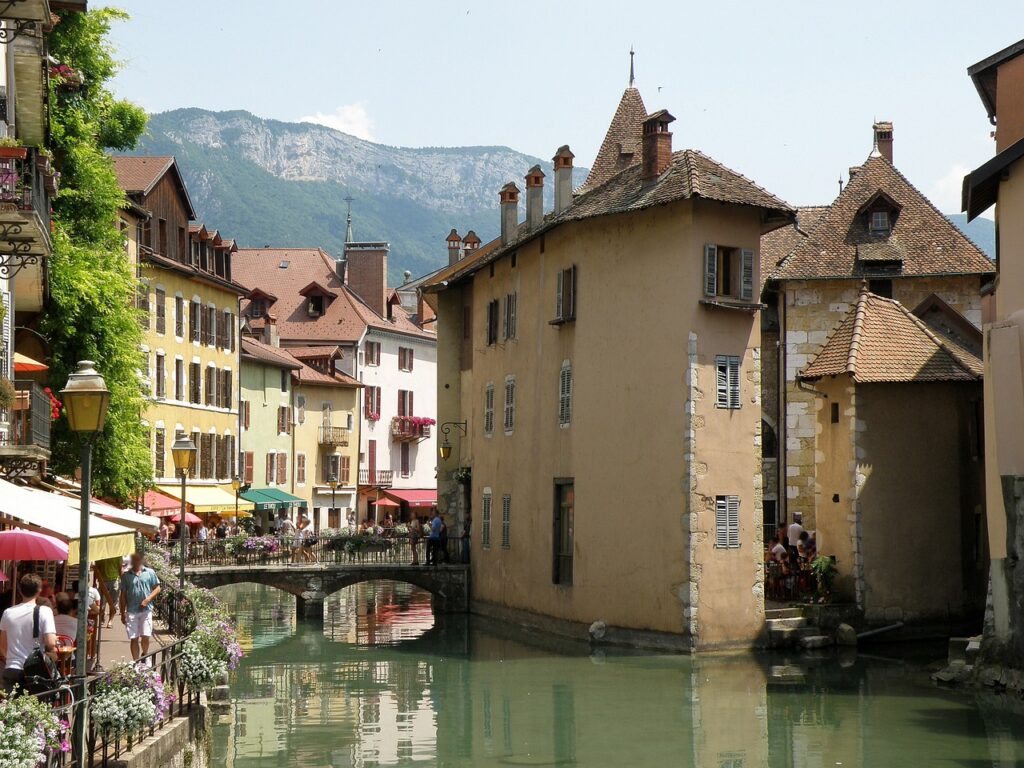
point(632, 78)
point(348, 221)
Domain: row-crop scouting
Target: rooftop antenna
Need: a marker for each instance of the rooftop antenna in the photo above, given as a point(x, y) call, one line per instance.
point(840, 183)
point(348, 221)
point(632, 77)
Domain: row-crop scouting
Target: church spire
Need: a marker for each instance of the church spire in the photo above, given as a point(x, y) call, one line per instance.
point(632, 78)
point(348, 222)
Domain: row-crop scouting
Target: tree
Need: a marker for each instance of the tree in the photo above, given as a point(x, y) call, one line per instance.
point(91, 313)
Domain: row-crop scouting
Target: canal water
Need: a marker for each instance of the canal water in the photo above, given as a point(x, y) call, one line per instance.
point(381, 684)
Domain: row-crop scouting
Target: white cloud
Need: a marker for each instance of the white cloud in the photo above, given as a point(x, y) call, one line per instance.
point(945, 192)
point(352, 119)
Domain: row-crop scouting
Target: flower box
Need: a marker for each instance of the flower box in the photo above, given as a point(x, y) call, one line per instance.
point(13, 153)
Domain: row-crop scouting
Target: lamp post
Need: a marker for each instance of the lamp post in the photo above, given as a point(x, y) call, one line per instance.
point(184, 454)
point(86, 398)
point(446, 447)
point(236, 484)
point(333, 483)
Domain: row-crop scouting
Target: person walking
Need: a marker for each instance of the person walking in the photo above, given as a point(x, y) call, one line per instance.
point(17, 627)
point(466, 530)
point(108, 575)
point(434, 537)
point(793, 535)
point(415, 533)
point(139, 588)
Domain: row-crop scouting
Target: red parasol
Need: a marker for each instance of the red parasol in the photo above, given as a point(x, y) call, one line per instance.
point(190, 519)
point(19, 544)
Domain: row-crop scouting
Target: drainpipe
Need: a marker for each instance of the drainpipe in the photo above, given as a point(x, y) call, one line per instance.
point(780, 466)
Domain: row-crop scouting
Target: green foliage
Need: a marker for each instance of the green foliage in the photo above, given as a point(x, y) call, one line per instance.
point(824, 570)
point(92, 284)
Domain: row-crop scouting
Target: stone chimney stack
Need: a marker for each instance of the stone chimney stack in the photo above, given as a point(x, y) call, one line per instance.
point(534, 197)
point(454, 247)
point(563, 177)
point(470, 243)
point(509, 201)
point(883, 139)
point(367, 273)
point(657, 145)
point(270, 335)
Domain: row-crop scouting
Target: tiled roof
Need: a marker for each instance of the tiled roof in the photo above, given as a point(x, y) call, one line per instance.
point(777, 244)
point(138, 174)
point(922, 240)
point(302, 373)
point(304, 353)
point(691, 175)
point(621, 146)
point(881, 341)
point(265, 353)
point(345, 318)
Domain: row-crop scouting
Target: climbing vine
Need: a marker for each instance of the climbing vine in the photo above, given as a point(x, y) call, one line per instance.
point(91, 314)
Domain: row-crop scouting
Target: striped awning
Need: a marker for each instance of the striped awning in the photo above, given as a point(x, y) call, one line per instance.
point(204, 499)
point(270, 499)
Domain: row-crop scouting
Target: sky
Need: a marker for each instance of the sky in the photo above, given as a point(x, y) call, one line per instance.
point(784, 92)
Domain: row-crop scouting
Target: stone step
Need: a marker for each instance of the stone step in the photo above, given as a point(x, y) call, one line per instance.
point(816, 641)
point(791, 622)
point(783, 613)
point(958, 649)
point(787, 673)
point(972, 650)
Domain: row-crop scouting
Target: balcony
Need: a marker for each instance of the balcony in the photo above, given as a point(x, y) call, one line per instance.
point(333, 436)
point(380, 478)
point(25, 445)
point(410, 429)
point(24, 224)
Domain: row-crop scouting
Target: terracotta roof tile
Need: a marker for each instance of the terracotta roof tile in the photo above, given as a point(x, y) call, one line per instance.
point(266, 353)
point(881, 341)
point(301, 372)
point(137, 175)
point(777, 244)
point(621, 146)
point(840, 245)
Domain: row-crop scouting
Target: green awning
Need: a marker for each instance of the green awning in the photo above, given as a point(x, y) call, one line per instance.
point(270, 499)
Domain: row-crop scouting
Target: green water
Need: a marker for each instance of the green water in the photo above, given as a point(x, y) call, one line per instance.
point(381, 684)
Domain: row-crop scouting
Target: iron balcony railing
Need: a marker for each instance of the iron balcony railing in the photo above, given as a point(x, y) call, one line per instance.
point(409, 429)
point(378, 477)
point(30, 416)
point(333, 435)
point(23, 185)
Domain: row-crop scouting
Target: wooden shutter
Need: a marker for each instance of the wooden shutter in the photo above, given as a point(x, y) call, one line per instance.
point(226, 396)
point(160, 453)
point(161, 311)
point(489, 409)
point(198, 443)
point(565, 395)
point(506, 521)
point(300, 468)
point(559, 295)
point(411, 411)
point(747, 274)
point(346, 466)
point(408, 358)
point(368, 401)
point(569, 294)
point(734, 382)
point(270, 468)
point(710, 270)
point(194, 320)
point(282, 468)
point(405, 459)
point(288, 419)
point(485, 528)
point(513, 300)
point(247, 414)
point(248, 467)
point(401, 403)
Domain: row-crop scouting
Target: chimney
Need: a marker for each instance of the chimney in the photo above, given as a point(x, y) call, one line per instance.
point(270, 335)
point(657, 145)
point(470, 243)
point(883, 139)
point(853, 171)
point(534, 197)
point(508, 198)
point(563, 177)
point(367, 273)
point(454, 247)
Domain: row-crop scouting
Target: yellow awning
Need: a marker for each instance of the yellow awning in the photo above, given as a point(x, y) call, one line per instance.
point(59, 516)
point(207, 498)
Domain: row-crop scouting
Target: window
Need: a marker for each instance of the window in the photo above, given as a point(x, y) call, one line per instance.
point(195, 386)
point(142, 299)
point(372, 353)
point(406, 471)
point(405, 401)
point(565, 500)
point(371, 402)
point(405, 358)
point(834, 413)
point(300, 402)
point(211, 386)
point(282, 468)
point(179, 317)
point(769, 442)
point(315, 307)
point(332, 467)
point(161, 310)
point(198, 443)
point(485, 522)
point(565, 295)
point(179, 380)
point(257, 308)
point(346, 468)
point(194, 312)
point(284, 420)
point(230, 456)
point(467, 323)
point(285, 376)
point(727, 381)
point(271, 468)
point(879, 222)
point(728, 272)
point(881, 288)
point(243, 407)
point(727, 522)
point(510, 404)
point(161, 385)
point(159, 457)
point(162, 233)
point(229, 331)
point(206, 456)
point(509, 328)
point(300, 468)
point(506, 522)
point(565, 395)
point(226, 392)
point(489, 410)
point(492, 322)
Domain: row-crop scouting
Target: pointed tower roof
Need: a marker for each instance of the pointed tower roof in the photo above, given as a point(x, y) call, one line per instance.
point(348, 222)
point(621, 146)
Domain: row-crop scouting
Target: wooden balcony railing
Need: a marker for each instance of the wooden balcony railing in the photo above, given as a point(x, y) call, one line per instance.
point(30, 416)
point(333, 436)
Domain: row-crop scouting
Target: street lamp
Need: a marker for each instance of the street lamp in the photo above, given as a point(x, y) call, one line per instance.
point(184, 454)
point(446, 447)
point(333, 483)
point(86, 398)
point(236, 484)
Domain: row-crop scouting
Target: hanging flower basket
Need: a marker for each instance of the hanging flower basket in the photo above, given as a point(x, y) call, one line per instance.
point(13, 153)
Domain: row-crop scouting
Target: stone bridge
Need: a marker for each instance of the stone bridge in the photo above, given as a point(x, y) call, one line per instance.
point(312, 583)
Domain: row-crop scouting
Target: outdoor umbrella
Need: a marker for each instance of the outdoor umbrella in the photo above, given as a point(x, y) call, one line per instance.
point(25, 364)
point(190, 519)
point(19, 544)
point(387, 503)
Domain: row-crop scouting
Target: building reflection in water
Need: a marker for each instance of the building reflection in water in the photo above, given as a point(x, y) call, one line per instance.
point(382, 684)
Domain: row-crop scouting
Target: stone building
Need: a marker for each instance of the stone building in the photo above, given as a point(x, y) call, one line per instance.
point(605, 357)
point(879, 229)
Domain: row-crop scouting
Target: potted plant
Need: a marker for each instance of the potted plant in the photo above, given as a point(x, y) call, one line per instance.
point(7, 394)
point(30, 731)
point(12, 149)
point(824, 569)
point(129, 698)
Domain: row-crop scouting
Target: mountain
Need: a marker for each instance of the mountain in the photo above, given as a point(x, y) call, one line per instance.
point(982, 232)
point(266, 182)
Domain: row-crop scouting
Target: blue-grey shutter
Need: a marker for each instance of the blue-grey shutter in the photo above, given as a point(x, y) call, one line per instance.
point(734, 382)
point(721, 522)
point(710, 270)
point(722, 382)
point(747, 274)
point(733, 514)
point(558, 294)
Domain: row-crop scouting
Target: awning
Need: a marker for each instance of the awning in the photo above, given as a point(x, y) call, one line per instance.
point(25, 364)
point(155, 502)
point(128, 517)
point(426, 497)
point(206, 498)
point(270, 499)
point(59, 516)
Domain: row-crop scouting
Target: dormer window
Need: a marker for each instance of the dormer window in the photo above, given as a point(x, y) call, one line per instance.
point(315, 308)
point(880, 223)
point(257, 308)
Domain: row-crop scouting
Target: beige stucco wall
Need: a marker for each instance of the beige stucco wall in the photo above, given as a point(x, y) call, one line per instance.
point(642, 349)
point(812, 310)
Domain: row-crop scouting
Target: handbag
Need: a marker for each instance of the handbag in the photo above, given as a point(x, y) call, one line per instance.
point(41, 673)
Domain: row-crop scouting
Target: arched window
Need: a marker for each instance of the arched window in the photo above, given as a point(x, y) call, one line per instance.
point(769, 441)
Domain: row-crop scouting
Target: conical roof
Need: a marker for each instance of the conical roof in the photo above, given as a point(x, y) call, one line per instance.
point(621, 146)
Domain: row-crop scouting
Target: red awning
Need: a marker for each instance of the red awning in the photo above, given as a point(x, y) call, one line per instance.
point(426, 497)
point(156, 503)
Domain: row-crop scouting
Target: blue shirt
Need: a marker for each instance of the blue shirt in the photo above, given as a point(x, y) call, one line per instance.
point(435, 528)
point(136, 587)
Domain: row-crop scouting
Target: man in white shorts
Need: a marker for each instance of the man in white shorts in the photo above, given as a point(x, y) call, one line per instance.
point(139, 588)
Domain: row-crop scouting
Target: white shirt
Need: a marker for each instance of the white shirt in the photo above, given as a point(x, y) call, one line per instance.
point(17, 623)
point(66, 625)
point(778, 551)
point(203, 533)
point(793, 533)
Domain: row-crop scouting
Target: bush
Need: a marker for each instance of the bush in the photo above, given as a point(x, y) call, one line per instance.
point(130, 697)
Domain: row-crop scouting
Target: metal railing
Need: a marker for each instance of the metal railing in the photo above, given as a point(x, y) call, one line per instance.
point(333, 435)
point(406, 429)
point(323, 550)
point(30, 416)
point(22, 184)
point(379, 477)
